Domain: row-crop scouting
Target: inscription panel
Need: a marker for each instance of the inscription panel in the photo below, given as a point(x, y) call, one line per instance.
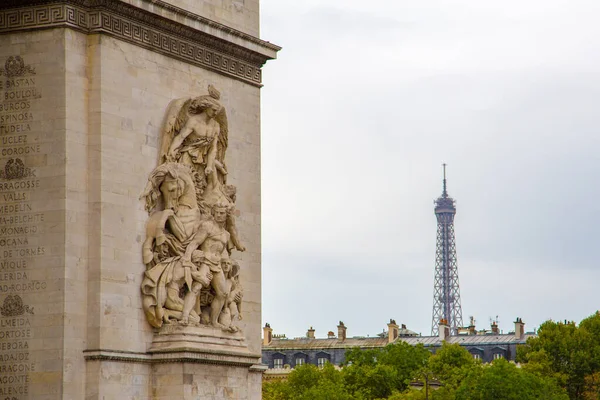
point(21, 217)
point(15, 334)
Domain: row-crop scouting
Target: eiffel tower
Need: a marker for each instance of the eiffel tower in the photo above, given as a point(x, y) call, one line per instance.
point(446, 290)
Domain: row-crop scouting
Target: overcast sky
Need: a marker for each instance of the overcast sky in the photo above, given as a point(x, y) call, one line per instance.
point(362, 106)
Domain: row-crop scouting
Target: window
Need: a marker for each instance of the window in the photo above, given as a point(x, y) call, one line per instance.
point(321, 361)
point(299, 361)
point(497, 356)
point(476, 356)
point(278, 363)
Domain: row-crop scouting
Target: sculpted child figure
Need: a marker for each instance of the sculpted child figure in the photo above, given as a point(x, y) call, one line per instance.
point(233, 306)
point(212, 238)
point(199, 279)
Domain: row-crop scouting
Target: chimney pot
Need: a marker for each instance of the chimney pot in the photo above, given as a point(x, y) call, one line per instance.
point(444, 329)
point(519, 329)
point(267, 334)
point(495, 329)
point(392, 331)
point(341, 331)
point(472, 325)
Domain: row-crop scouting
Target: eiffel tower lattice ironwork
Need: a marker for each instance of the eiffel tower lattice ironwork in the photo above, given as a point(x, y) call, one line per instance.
point(446, 290)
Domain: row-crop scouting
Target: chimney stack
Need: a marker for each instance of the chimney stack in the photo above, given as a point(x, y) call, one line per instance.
point(267, 334)
point(472, 326)
point(341, 331)
point(444, 329)
point(519, 329)
point(392, 331)
point(495, 329)
point(310, 333)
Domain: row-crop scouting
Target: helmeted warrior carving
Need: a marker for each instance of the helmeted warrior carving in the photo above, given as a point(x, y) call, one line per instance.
point(191, 232)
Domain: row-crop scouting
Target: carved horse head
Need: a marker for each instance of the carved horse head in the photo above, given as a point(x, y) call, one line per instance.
point(172, 185)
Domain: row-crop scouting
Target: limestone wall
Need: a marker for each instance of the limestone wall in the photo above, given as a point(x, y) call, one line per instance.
point(135, 87)
point(83, 95)
point(44, 218)
point(130, 89)
point(87, 134)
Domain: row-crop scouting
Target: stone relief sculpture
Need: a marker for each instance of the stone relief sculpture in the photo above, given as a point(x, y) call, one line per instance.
point(15, 66)
point(13, 306)
point(15, 169)
point(190, 277)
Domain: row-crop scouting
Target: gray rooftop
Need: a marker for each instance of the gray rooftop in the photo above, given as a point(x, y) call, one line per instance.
point(375, 342)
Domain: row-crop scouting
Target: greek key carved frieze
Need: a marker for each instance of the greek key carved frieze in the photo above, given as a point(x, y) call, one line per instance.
point(142, 28)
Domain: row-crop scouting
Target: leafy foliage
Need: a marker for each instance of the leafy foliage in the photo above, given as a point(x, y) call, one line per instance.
point(308, 383)
point(377, 373)
point(451, 365)
point(503, 380)
point(567, 352)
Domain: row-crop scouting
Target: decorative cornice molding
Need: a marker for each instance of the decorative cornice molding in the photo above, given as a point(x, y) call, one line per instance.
point(232, 52)
point(193, 356)
point(117, 355)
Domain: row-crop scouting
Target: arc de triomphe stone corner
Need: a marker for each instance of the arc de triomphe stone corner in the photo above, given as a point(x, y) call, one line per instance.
point(130, 203)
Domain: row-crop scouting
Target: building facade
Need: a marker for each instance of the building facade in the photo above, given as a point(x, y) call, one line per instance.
point(281, 353)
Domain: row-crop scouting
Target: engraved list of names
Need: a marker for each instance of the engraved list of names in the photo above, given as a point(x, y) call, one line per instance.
point(21, 151)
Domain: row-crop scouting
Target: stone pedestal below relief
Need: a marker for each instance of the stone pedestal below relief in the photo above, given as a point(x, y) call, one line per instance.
point(202, 343)
point(184, 362)
point(203, 362)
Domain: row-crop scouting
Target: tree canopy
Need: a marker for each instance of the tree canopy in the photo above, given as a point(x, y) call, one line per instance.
point(569, 353)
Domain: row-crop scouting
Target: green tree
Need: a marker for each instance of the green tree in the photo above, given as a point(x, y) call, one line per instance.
point(406, 359)
point(276, 390)
point(592, 326)
point(504, 381)
point(566, 352)
point(451, 364)
point(370, 382)
point(377, 373)
point(410, 394)
point(309, 383)
point(448, 366)
point(362, 357)
point(592, 387)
